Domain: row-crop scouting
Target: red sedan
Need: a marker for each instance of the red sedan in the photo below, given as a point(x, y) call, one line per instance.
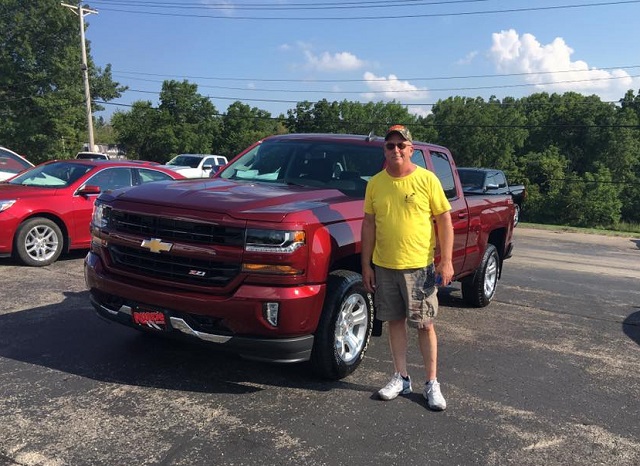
point(46, 210)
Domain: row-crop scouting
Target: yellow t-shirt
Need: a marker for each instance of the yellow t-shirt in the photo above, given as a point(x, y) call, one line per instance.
point(404, 209)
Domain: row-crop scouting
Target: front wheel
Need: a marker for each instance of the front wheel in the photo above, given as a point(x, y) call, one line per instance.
point(516, 214)
point(345, 326)
point(480, 288)
point(38, 242)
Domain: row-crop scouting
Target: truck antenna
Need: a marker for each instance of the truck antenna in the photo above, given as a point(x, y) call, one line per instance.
point(370, 137)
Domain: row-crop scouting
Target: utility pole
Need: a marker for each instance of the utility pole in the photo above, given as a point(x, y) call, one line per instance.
point(82, 12)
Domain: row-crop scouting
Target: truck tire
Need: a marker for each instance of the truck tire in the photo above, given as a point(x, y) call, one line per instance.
point(516, 214)
point(38, 242)
point(345, 326)
point(479, 289)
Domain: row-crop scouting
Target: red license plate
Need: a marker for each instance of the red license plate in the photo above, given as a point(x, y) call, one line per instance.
point(155, 320)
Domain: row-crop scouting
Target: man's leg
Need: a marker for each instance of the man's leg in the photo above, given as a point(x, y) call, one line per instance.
point(398, 345)
point(428, 342)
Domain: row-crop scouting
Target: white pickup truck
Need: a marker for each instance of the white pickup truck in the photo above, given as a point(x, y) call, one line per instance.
point(197, 165)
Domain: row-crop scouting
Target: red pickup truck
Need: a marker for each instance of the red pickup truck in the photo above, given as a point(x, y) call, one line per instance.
point(264, 258)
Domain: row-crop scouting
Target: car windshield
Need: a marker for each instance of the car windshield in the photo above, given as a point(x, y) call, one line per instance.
point(52, 175)
point(11, 163)
point(185, 161)
point(340, 165)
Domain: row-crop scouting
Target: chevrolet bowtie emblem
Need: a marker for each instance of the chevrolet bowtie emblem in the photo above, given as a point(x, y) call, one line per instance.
point(156, 245)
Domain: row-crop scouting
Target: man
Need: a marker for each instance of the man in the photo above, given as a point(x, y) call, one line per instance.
point(398, 238)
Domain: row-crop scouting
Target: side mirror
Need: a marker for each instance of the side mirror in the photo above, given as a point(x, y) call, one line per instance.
point(88, 190)
point(491, 186)
point(207, 167)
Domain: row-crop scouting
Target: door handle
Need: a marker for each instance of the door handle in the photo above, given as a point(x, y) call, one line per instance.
point(462, 215)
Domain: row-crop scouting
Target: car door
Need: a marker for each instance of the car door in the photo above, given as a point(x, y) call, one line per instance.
point(108, 178)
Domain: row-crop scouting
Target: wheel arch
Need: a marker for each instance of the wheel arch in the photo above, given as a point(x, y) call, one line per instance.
point(54, 218)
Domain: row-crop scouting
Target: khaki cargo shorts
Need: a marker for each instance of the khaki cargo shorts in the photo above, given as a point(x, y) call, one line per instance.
point(409, 293)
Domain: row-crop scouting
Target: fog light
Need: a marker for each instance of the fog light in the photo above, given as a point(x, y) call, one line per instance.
point(270, 313)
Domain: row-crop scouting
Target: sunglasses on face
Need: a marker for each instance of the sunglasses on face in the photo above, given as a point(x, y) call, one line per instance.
point(400, 145)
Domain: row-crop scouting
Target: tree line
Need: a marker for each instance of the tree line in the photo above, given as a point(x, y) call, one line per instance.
point(579, 157)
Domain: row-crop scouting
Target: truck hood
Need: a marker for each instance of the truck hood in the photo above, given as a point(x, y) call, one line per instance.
point(242, 200)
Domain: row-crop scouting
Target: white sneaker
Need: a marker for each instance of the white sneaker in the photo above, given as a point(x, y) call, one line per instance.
point(434, 397)
point(396, 386)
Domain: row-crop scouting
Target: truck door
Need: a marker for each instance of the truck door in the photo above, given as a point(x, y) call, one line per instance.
point(441, 166)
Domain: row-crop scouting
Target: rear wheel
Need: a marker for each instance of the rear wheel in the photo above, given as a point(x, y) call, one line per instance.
point(516, 214)
point(344, 328)
point(480, 288)
point(38, 242)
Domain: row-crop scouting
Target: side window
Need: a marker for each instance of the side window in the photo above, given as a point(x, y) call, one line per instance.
point(442, 169)
point(418, 158)
point(111, 178)
point(147, 176)
point(501, 181)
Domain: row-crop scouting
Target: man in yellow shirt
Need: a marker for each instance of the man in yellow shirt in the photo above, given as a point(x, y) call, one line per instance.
point(398, 248)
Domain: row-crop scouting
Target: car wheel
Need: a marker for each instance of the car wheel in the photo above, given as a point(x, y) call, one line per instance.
point(38, 242)
point(480, 288)
point(516, 214)
point(345, 326)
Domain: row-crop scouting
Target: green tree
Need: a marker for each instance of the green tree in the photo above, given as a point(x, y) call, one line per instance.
point(184, 122)
point(479, 133)
point(242, 126)
point(42, 108)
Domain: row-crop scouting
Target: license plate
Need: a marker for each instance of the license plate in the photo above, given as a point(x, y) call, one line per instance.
point(155, 320)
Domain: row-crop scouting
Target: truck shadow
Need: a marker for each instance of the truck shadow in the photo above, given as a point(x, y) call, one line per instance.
point(631, 326)
point(69, 337)
point(636, 242)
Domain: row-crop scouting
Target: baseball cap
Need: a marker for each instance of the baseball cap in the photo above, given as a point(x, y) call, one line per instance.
point(401, 130)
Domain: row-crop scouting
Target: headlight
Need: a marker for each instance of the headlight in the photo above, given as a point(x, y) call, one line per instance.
point(100, 217)
point(4, 205)
point(276, 241)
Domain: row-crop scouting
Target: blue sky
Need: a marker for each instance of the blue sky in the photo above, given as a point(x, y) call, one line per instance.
point(271, 54)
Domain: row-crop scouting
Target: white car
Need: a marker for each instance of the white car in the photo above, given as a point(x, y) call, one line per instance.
point(11, 163)
point(197, 165)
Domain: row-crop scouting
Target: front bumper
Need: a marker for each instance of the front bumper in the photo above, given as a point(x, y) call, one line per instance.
point(234, 323)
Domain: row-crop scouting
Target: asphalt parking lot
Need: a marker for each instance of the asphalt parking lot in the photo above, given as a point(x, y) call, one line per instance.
point(547, 374)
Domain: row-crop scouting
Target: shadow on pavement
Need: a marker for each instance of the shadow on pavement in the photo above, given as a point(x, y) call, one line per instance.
point(637, 242)
point(631, 326)
point(71, 338)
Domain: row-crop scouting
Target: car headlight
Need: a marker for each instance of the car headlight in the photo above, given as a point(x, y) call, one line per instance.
point(100, 217)
point(4, 205)
point(276, 241)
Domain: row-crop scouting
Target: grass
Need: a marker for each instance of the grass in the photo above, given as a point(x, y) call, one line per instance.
point(631, 230)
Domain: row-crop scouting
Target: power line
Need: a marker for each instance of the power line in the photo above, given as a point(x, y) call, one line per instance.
point(430, 78)
point(379, 18)
point(409, 91)
point(433, 125)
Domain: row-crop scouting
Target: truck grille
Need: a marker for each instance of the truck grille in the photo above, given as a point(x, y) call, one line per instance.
point(173, 230)
point(173, 268)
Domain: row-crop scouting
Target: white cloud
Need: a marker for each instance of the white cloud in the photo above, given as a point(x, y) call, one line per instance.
point(392, 88)
point(342, 61)
point(550, 67)
point(468, 58)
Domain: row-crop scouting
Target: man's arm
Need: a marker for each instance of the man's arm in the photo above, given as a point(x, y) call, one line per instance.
point(367, 244)
point(445, 240)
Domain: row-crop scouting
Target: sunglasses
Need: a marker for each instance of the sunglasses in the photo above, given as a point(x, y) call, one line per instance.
point(400, 145)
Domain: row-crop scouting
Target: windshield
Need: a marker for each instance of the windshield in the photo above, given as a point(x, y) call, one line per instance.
point(11, 163)
point(52, 175)
point(185, 161)
point(340, 165)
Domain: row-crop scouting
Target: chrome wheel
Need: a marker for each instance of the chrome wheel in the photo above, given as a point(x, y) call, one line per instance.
point(351, 328)
point(38, 242)
point(491, 276)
